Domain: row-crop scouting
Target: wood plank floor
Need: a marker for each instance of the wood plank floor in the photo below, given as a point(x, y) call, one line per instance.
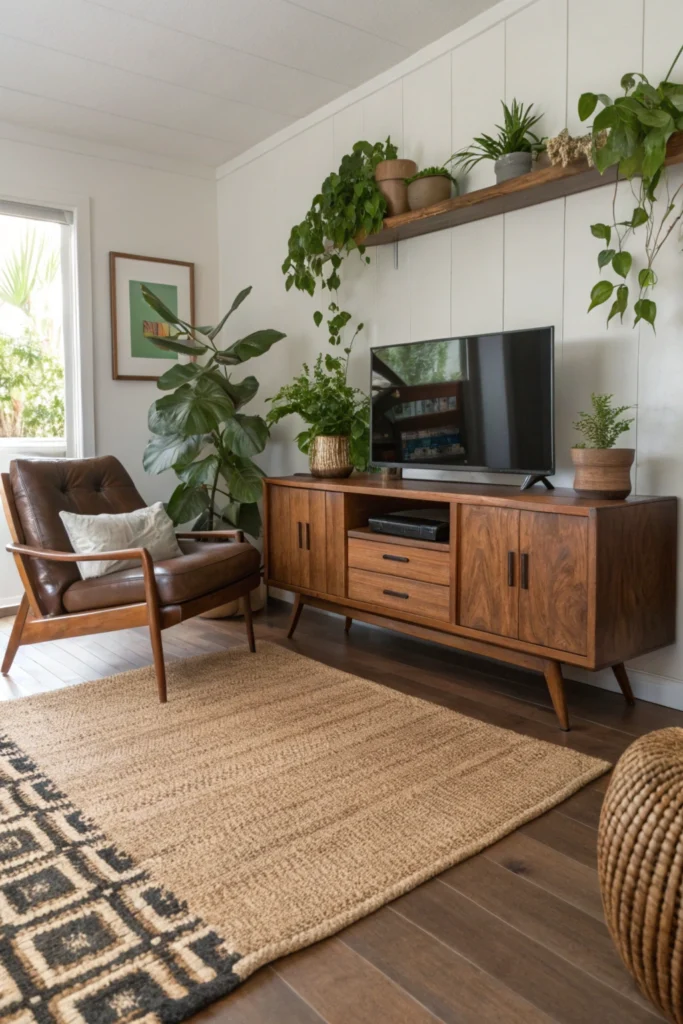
point(515, 934)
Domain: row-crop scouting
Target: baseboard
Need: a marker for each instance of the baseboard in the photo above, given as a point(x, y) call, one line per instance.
point(664, 690)
point(10, 606)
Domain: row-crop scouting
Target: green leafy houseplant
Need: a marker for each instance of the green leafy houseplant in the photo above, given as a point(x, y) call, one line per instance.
point(514, 136)
point(640, 124)
point(431, 172)
point(348, 206)
point(325, 401)
point(198, 429)
point(603, 426)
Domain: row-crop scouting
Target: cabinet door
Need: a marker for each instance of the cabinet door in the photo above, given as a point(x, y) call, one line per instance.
point(281, 567)
point(553, 595)
point(487, 556)
point(297, 545)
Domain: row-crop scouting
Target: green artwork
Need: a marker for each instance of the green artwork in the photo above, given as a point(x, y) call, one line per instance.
point(144, 319)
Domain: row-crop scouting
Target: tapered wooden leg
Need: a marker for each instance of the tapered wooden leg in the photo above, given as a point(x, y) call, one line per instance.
point(248, 622)
point(154, 621)
point(622, 678)
point(15, 635)
point(555, 683)
point(347, 624)
point(296, 615)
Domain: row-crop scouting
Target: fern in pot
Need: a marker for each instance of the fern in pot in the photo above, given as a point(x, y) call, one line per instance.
point(601, 470)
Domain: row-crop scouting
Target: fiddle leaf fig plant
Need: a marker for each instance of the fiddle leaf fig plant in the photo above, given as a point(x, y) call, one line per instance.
point(198, 429)
point(640, 124)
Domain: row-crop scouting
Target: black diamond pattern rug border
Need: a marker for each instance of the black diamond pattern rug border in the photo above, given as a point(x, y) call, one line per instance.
point(87, 937)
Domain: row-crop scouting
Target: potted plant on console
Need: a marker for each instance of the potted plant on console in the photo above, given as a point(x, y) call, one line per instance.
point(513, 149)
point(601, 470)
point(337, 416)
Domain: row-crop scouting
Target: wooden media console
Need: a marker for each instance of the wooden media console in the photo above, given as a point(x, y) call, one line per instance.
point(536, 579)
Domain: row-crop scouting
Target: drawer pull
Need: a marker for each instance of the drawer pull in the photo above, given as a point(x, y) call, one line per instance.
point(395, 593)
point(511, 568)
point(298, 526)
point(396, 558)
point(308, 536)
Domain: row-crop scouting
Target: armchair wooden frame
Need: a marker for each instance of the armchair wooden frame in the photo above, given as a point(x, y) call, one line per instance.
point(31, 626)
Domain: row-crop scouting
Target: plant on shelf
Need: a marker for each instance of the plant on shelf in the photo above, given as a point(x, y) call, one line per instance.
point(328, 405)
point(602, 427)
point(198, 428)
point(640, 124)
point(348, 207)
point(601, 470)
point(514, 137)
point(430, 186)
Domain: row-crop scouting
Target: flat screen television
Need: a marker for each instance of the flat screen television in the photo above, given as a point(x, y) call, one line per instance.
point(479, 402)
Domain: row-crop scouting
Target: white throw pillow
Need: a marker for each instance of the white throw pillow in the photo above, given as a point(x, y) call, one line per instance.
point(149, 528)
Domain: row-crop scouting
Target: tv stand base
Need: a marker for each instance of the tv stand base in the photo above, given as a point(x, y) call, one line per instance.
point(535, 478)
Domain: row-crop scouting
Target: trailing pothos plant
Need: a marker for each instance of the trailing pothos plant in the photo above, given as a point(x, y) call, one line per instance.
point(348, 207)
point(640, 124)
point(198, 430)
point(326, 402)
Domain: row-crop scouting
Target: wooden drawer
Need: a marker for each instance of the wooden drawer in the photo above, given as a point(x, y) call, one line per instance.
point(428, 600)
point(400, 560)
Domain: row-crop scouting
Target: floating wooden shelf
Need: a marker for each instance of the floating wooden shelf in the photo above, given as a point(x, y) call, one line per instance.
point(528, 190)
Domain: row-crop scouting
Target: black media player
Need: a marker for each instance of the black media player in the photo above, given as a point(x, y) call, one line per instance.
point(420, 524)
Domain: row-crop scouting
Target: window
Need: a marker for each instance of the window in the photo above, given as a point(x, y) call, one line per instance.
point(36, 302)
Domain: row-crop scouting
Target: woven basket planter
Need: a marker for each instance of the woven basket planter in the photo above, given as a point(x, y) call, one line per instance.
point(640, 862)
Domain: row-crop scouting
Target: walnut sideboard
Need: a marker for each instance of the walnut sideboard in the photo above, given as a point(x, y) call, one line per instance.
point(534, 579)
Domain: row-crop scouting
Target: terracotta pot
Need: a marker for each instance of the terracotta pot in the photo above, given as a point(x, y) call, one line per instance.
point(329, 456)
point(234, 608)
point(603, 472)
point(390, 176)
point(428, 191)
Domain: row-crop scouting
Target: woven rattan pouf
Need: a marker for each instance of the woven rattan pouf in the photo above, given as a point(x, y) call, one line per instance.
point(640, 861)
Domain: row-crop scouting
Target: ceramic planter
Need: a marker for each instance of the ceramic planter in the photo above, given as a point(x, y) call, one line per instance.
point(512, 165)
point(390, 176)
point(428, 191)
point(602, 472)
point(329, 456)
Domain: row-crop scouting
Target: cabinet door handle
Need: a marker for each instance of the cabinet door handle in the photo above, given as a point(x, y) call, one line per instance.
point(396, 558)
point(511, 568)
point(308, 536)
point(396, 593)
point(524, 573)
point(298, 526)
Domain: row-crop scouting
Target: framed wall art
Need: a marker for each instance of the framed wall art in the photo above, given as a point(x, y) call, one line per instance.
point(135, 357)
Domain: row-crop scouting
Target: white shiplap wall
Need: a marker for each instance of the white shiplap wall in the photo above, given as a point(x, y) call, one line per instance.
point(528, 268)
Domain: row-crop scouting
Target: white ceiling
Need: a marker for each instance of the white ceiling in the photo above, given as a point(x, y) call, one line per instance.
point(202, 80)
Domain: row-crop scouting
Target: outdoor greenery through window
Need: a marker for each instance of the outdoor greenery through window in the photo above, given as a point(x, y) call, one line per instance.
point(32, 385)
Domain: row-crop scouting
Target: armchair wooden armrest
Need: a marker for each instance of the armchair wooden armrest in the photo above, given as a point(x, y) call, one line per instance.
point(72, 556)
point(237, 535)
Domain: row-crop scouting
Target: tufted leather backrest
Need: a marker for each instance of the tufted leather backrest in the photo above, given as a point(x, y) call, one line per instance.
point(42, 489)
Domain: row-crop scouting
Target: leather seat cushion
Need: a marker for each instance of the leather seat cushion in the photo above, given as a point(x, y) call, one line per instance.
point(203, 568)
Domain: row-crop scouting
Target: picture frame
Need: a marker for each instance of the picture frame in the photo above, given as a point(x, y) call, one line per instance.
point(135, 357)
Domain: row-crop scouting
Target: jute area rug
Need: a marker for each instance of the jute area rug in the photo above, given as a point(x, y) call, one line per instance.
point(152, 857)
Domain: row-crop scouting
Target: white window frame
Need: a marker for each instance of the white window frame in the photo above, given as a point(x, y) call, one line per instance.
point(76, 268)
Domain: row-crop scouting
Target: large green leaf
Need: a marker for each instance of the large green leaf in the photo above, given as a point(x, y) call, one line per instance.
point(163, 452)
point(160, 422)
point(159, 307)
point(187, 502)
point(244, 480)
point(177, 375)
point(237, 301)
point(245, 435)
point(201, 472)
point(249, 519)
point(253, 345)
point(186, 348)
point(196, 408)
point(242, 391)
point(601, 293)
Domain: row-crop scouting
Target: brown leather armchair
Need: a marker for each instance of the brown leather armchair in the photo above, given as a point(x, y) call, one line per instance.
point(216, 567)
